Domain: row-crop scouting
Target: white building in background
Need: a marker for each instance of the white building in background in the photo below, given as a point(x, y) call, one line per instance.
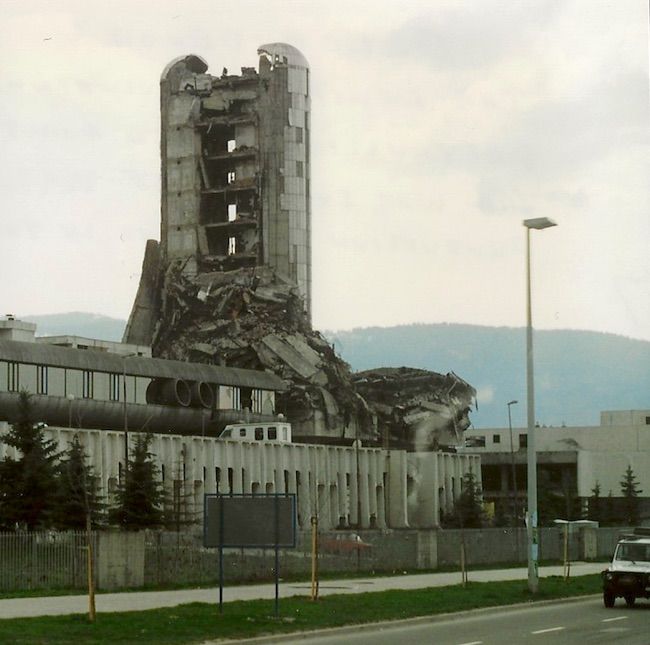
point(106, 392)
point(584, 455)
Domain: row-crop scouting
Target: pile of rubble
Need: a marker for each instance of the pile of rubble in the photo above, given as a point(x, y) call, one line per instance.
point(251, 318)
point(417, 409)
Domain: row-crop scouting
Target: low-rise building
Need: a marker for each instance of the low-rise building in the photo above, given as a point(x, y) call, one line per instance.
point(105, 392)
point(574, 460)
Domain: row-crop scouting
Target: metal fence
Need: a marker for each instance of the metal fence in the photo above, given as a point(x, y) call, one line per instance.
point(44, 560)
point(179, 558)
point(58, 560)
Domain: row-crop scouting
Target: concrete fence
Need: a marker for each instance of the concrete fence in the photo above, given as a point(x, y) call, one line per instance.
point(129, 560)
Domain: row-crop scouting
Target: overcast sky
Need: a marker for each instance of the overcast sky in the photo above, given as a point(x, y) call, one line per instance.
point(438, 126)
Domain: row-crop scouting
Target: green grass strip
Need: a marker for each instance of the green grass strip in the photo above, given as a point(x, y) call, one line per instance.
point(197, 622)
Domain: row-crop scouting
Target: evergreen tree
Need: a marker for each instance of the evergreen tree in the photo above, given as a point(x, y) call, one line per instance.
point(595, 506)
point(79, 495)
point(28, 485)
point(468, 511)
point(139, 495)
point(9, 493)
point(631, 491)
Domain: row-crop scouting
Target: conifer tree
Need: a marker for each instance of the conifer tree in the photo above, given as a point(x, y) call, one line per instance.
point(595, 506)
point(468, 511)
point(139, 495)
point(80, 499)
point(29, 490)
point(630, 503)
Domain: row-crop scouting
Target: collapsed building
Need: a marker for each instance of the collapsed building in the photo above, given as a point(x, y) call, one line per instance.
point(229, 283)
point(221, 328)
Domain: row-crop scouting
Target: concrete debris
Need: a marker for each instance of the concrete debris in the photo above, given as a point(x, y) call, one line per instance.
point(418, 409)
point(251, 318)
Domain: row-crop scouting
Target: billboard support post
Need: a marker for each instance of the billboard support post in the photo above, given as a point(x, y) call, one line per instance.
point(250, 521)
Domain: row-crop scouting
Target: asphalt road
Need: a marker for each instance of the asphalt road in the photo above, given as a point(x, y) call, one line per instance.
point(573, 622)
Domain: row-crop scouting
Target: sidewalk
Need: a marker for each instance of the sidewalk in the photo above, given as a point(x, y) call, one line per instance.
point(141, 600)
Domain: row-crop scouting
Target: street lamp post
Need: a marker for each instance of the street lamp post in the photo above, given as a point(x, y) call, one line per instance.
point(514, 474)
point(70, 398)
point(538, 223)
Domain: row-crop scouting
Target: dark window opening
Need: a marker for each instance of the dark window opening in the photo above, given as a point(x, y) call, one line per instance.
point(114, 387)
point(246, 398)
point(523, 440)
point(13, 374)
point(87, 385)
point(41, 379)
point(491, 478)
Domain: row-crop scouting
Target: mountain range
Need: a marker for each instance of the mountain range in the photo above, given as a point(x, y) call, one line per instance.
point(578, 374)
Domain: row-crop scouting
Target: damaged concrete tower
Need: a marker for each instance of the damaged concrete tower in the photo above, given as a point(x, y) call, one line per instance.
point(229, 283)
point(235, 176)
point(230, 280)
point(235, 166)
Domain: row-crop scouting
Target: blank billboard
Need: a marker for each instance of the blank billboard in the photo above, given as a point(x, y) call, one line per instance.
point(240, 521)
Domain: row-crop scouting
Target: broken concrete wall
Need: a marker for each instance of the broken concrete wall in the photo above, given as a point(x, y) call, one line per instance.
point(145, 313)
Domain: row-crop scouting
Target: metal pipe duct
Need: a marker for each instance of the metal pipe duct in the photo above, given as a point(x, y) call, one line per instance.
point(174, 391)
point(201, 395)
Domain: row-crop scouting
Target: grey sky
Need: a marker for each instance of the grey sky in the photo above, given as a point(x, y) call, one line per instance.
point(437, 128)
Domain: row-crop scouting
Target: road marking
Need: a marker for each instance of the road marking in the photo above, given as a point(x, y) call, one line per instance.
point(546, 631)
point(472, 643)
point(611, 620)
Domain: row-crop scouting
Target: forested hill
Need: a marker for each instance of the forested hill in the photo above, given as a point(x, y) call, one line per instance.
point(577, 373)
point(77, 323)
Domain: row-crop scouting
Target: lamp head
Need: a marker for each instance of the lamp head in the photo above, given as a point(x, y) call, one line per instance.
point(539, 223)
point(512, 402)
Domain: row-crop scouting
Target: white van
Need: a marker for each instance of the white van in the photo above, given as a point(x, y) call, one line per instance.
point(279, 432)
